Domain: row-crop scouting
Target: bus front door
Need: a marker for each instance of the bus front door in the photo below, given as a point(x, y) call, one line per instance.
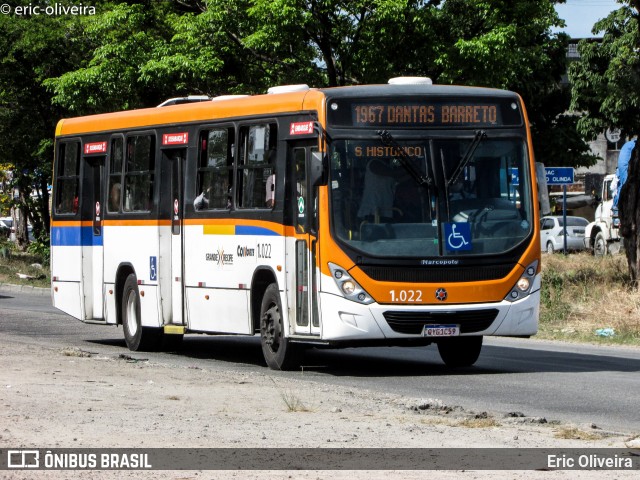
point(172, 241)
point(307, 321)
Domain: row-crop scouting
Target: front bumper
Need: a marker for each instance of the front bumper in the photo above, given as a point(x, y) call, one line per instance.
point(345, 320)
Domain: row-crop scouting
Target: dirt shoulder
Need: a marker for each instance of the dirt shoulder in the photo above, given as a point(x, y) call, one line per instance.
point(54, 398)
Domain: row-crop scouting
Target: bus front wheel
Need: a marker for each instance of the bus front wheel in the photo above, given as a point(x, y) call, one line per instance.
point(460, 351)
point(137, 337)
point(278, 351)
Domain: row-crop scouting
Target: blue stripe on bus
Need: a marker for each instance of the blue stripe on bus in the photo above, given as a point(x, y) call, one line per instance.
point(251, 230)
point(74, 237)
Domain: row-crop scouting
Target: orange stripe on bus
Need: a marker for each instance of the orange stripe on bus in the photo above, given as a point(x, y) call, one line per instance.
point(70, 223)
point(112, 223)
point(137, 223)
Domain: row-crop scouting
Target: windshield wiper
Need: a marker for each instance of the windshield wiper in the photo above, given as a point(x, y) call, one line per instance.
point(479, 136)
point(388, 140)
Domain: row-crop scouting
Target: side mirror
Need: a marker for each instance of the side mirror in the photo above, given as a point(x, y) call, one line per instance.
point(317, 168)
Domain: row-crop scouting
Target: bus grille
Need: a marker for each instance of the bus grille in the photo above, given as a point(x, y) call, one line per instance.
point(470, 321)
point(437, 274)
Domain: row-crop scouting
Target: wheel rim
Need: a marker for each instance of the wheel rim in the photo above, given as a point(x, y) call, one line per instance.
point(549, 248)
point(132, 313)
point(599, 246)
point(272, 331)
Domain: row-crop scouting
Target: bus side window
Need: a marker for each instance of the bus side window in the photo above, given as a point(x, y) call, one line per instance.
point(215, 170)
point(68, 174)
point(115, 175)
point(139, 174)
point(257, 166)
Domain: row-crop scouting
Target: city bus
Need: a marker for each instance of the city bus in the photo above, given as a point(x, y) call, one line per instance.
point(375, 215)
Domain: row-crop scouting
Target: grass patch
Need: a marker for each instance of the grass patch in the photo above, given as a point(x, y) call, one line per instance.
point(13, 262)
point(573, 433)
point(75, 352)
point(478, 423)
point(293, 403)
point(291, 400)
point(581, 293)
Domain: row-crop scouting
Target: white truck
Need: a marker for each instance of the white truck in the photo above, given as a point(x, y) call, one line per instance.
point(602, 236)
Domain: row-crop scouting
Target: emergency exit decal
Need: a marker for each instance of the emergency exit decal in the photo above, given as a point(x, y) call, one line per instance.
point(175, 138)
point(301, 128)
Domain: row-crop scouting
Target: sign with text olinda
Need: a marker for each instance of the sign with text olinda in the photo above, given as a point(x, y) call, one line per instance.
point(560, 175)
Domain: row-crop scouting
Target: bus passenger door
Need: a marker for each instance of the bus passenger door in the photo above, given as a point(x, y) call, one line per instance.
point(91, 212)
point(172, 272)
point(307, 320)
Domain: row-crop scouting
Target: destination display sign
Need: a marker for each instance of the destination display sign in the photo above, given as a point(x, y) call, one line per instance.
point(427, 112)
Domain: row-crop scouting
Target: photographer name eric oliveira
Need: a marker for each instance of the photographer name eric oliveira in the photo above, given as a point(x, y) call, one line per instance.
point(52, 10)
point(589, 461)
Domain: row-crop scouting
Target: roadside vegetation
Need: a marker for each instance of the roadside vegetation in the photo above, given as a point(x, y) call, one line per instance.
point(24, 268)
point(582, 294)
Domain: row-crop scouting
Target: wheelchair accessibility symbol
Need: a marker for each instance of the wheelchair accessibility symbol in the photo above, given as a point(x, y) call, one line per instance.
point(458, 236)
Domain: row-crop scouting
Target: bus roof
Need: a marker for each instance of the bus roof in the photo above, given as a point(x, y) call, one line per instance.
point(310, 100)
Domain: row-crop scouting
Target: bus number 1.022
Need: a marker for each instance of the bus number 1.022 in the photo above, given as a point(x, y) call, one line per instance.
point(264, 250)
point(408, 296)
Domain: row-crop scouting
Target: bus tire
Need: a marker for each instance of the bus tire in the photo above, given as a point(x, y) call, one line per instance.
point(278, 351)
point(460, 351)
point(137, 337)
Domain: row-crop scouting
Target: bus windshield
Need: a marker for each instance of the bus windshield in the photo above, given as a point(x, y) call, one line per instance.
point(431, 197)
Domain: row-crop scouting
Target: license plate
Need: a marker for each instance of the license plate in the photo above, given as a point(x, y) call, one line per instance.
point(441, 331)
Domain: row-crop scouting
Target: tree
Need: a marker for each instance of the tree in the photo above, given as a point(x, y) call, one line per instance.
point(5, 189)
point(27, 116)
point(606, 80)
point(606, 90)
point(119, 40)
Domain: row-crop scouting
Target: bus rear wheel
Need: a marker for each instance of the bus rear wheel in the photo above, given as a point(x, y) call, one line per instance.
point(460, 351)
point(278, 351)
point(137, 337)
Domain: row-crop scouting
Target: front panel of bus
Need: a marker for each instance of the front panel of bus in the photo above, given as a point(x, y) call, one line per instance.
point(430, 217)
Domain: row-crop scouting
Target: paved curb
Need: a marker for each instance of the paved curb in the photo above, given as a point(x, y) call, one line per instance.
point(40, 291)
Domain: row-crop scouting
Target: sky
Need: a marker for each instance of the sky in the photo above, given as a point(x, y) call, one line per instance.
point(580, 15)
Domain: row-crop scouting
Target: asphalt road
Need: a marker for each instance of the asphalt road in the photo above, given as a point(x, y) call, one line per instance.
point(572, 383)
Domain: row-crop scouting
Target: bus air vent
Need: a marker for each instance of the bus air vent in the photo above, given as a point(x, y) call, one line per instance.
point(410, 81)
point(437, 275)
point(303, 87)
point(227, 97)
point(181, 100)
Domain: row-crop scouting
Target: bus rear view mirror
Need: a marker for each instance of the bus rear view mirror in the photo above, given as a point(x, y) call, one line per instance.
point(316, 168)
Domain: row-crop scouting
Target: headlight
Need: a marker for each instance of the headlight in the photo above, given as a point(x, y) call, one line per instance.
point(523, 284)
point(522, 287)
point(348, 286)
